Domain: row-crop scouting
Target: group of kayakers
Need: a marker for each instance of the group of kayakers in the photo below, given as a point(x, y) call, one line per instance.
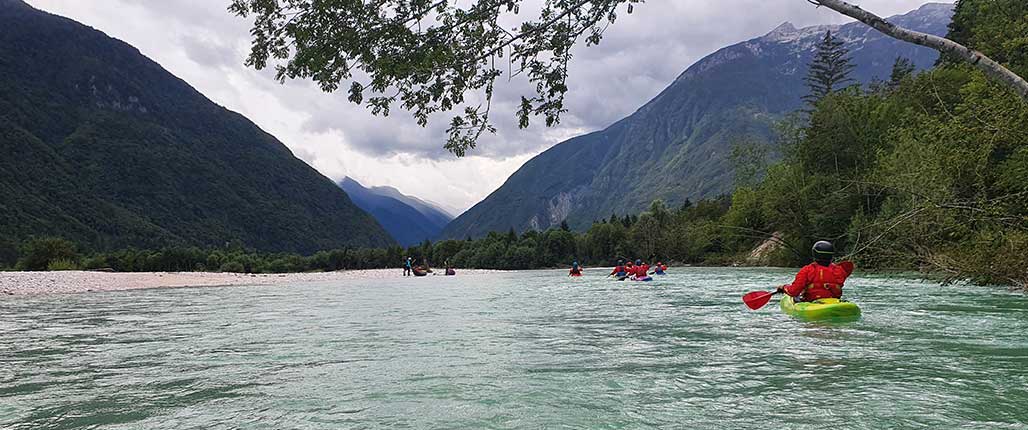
point(409, 269)
point(821, 279)
point(638, 270)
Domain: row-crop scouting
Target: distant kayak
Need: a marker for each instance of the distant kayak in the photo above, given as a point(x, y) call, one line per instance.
point(575, 275)
point(450, 272)
point(420, 272)
point(822, 309)
point(644, 279)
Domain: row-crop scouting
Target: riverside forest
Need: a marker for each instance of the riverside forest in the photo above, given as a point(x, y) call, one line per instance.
point(922, 171)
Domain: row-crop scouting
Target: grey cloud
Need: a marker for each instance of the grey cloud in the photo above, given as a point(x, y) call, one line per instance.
point(640, 55)
point(208, 52)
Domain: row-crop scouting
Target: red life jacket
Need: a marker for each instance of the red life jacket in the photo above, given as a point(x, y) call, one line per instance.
point(815, 281)
point(618, 269)
point(642, 271)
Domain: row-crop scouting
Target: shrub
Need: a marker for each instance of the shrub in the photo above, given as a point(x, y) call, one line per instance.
point(233, 267)
point(62, 264)
point(95, 262)
point(8, 254)
point(37, 254)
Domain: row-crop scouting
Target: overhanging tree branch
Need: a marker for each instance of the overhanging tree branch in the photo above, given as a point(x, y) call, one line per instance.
point(977, 59)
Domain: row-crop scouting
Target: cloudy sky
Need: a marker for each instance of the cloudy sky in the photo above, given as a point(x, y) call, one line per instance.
point(200, 42)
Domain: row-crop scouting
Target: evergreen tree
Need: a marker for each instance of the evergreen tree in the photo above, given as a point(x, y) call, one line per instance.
point(902, 69)
point(564, 226)
point(830, 70)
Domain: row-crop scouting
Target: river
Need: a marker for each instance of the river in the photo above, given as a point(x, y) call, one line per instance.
point(514, 350)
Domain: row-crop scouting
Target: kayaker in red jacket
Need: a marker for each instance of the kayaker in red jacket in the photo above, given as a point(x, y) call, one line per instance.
point(821, 279)
point(576, 270)
point(641, 269)
point(620, 270)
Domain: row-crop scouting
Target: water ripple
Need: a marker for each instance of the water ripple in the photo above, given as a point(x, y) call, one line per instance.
point(512, 350)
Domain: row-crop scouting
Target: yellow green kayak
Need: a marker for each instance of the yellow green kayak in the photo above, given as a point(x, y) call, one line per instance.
point(821, 309)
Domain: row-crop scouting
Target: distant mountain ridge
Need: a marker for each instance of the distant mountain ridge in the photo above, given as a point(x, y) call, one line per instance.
point(430, 209)
point(676, 146)
point(408, 219)
point(104, 147)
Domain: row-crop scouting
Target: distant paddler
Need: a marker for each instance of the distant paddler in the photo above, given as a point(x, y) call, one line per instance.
point(620, 271)
point(641, 271)
point(576, 270)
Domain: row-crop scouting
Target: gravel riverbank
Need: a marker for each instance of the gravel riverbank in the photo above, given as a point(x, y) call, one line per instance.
point(70, 282)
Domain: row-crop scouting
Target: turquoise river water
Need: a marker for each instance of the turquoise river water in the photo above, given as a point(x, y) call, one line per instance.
point(524, 350)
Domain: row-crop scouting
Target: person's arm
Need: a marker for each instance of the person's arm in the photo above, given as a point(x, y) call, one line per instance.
point(796, 287)
point(847, 267)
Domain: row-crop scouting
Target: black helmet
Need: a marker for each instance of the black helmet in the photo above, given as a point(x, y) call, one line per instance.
point(823, 251)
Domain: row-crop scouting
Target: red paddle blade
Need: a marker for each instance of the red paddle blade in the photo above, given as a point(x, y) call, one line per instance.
point(757, 299)
point(847, 266)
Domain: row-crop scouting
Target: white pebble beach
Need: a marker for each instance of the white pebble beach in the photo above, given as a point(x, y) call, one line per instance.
point(71, 282)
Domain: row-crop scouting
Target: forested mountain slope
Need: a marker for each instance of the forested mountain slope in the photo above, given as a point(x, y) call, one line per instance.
point(677, 146)
point(104, 147)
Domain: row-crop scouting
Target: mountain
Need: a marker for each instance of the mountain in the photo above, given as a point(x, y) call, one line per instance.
point(409, 220)
point(677, 146)
point(434, 211)
point(104, 147)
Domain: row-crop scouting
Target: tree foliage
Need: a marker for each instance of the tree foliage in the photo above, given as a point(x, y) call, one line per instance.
point(41, 253)
point(830, 69)
point(997, 28)
point(428, 56)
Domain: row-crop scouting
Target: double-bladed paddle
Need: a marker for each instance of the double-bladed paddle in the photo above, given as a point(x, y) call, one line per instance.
point(757, 299)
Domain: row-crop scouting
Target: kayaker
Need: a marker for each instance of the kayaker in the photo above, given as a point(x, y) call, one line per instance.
point(576, 270)
point(630, 268)
point(642, 269)
point(659, 268)
point(620, 271)
point(821, 279)
point(407, 267)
